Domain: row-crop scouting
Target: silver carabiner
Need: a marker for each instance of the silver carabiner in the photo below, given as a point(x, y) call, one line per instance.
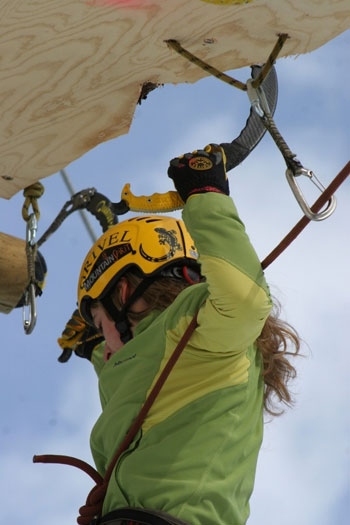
point(29, 304)
point(291, 178)
point(257, 99)
point(32, 227)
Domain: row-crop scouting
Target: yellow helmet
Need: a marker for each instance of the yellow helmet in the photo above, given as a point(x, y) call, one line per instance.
point(149, 243)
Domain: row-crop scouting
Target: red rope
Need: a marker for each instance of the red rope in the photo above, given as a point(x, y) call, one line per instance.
point(73, 462)
point(94, 501)
point(316, 207)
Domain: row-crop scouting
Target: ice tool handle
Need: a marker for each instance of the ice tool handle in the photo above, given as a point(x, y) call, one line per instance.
point(235, 151)
point(158, 202)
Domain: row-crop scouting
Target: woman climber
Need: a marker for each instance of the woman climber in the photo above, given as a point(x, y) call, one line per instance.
point(193, 457)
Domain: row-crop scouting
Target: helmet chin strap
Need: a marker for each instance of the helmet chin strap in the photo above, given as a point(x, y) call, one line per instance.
point(120, 317)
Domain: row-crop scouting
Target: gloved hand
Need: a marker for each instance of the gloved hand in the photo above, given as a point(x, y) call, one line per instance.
point(78, 337)
point(200, 172)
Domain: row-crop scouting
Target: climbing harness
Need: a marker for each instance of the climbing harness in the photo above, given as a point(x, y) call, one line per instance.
point(93, 507)
point(31, 194)
point(136, 516)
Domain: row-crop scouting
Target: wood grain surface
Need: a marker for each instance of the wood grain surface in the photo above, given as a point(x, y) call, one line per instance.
point(71, 71)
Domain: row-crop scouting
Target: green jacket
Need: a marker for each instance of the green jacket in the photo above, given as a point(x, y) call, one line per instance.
point(196, 455)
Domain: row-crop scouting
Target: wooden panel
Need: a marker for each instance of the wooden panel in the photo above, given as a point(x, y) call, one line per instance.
point(71, 71)
point(13, 271)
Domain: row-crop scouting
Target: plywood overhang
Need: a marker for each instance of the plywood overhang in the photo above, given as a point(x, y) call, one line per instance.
point(71, 71)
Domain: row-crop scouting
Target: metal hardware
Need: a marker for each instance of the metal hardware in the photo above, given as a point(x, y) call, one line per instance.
point(32, 228)
point(291, 178)
point(257, 99)
point(29, 308)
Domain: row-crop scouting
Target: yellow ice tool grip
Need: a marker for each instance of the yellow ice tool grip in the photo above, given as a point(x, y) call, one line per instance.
point(156, 203)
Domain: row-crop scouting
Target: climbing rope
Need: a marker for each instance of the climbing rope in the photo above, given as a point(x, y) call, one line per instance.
point(32, 194)
point(176, 46)
point(94, 502)
point(304, 221)
point(270, 61)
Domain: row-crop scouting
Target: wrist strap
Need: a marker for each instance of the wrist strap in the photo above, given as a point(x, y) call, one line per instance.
point(205, 189)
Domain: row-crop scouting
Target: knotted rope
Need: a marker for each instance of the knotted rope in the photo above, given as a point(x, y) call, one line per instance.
point(32, 194)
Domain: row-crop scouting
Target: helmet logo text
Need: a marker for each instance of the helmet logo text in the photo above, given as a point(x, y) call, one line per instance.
point(108, 257)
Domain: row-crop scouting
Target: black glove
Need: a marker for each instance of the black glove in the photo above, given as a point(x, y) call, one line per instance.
point(78, 337)
point(200, 172)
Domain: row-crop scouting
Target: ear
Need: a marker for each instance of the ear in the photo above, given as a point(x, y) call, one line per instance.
point(124, 290)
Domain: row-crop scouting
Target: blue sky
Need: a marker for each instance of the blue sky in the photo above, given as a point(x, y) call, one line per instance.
point(48, 407)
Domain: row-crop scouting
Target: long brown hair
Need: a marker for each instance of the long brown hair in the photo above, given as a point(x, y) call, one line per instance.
point(277, 342)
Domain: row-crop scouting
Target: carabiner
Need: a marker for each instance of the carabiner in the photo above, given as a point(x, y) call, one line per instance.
point(29, 297)
point(32, 227)
point(291, 178)
point(29, 303)
point(257, 99)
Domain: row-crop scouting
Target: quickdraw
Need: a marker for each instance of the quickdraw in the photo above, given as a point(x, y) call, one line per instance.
point(294, 166)
point(262, 108)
